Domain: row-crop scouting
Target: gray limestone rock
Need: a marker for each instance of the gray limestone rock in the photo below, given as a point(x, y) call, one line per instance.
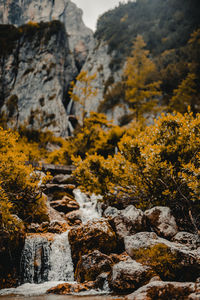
point(98, 62)
point(129, 275)
point(164, 290)
point(19, 12)
point(162, 221)
point(34, 74)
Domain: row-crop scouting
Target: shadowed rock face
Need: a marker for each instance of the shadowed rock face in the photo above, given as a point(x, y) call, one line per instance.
point(19, 12)
point(40, 61)
point(36, 67)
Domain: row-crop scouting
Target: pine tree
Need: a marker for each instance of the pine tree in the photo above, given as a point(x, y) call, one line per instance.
point(142, 91)
point(86, 90)
point(186, 95)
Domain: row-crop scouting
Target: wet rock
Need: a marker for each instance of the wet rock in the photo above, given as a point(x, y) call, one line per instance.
point(192, 241)
point(63, 179)
point(71, 288)
point(74, 217)
point(163, 290)
point(91, 265)
point(111, 212)
point(119, 257)
point(94, 235)
point(129, 275)
point(55, 226)
point(54, 214)
point(162, 221)
point(155, 278)
point(65, 205)
point(33, 228)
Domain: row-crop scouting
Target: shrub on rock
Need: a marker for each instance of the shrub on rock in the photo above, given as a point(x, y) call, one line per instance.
point(154, 251)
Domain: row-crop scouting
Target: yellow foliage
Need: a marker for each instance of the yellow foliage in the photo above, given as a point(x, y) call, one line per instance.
point(158, 165)
point(86, 90)
point(186, 95)
point(18, 183)
point(160, 258)
point(142, 91)
point(33, 24)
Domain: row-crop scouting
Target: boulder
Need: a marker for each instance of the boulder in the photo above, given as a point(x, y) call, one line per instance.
point(160, 290)
point(162, 221)
point(126, 222)
point(140, 240)
point(192, 241)
point(74, 217)
point(71, 288)
point(129, 275)
point(185, 266)
point(94, 235)
point(91, 265)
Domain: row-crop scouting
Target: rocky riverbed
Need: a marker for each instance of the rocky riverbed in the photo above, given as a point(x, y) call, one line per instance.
point(106, 250)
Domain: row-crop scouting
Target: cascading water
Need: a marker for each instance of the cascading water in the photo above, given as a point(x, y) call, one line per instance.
point(88, 205)
point(45, 260)
point(61, 266)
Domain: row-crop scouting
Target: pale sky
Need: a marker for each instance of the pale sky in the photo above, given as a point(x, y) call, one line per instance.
point(92, 9)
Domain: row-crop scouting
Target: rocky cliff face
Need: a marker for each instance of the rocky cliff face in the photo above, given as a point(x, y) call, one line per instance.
point(37, 71)
point(36, 68)
point(19, 12)
point(39, 60)
point(98, 62)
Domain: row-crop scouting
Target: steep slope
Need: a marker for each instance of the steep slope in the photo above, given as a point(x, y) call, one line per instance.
point(36, 67)
point(39, 60)
point(18, 12)
point(165, 26)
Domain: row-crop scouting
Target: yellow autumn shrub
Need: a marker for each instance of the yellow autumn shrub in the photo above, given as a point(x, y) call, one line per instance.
point(159, 165)
point(160, 258)
point(19, 192)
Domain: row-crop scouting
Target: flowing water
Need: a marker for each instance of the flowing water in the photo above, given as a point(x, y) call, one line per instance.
point(46, 262)
point(88, 205)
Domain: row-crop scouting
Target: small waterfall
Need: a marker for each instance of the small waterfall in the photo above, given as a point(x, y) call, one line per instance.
point(45, 260)
point(61, 266)
point(88, 205)
point(69, 107)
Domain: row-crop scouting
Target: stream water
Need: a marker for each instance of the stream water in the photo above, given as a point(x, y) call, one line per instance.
point(47, 262)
